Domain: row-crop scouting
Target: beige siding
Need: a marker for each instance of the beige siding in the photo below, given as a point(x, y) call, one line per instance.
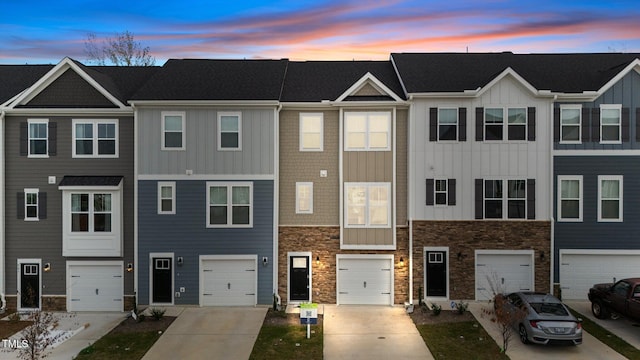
point(305, 166)
point(401, 167)
point(368, 166)
point(367, 237)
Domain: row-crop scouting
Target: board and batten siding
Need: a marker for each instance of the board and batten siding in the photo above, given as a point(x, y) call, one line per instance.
point(185, 234)
point(43, 238)
point(468, 160)
point(201, 153)
point(589, 233)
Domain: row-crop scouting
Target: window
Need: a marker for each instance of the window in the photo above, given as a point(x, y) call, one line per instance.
point(166, 198)
point(493, 123)
point(440, 195)
point(38, 138)
point(311, 132)
point(367, 131)
point(447, 124)
point(569, 198)
point(31, 204)
point(368, 205)
point(91, 212)
point(516, 199)
point(95, 138)
point(173, 131)
point(229, 204)
point(520, 124)
point(229, 130)
point(517, 123)
point(304, 198)
point(570, 124)
point(610, 124)
point(493, 199)
point(500, 199)
point(609, 198)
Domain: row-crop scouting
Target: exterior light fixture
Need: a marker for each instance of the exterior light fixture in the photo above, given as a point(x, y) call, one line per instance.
point(401, 261)
point(47, 267)
point(129, 267)
point(317, 260)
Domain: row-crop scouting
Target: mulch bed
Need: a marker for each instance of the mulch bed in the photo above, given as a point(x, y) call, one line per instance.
point(129, 325)
point(281, 318)
point(422, 316)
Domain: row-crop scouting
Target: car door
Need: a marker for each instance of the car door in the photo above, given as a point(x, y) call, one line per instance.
point(618, 296)
point(634, 303)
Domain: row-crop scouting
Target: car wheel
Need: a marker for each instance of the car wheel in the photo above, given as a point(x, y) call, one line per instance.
point(599, 310)
point(523, 334)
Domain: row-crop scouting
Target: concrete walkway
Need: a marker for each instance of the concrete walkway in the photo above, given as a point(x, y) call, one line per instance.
point(622, 327)
point(371, 332)
point(208, 333)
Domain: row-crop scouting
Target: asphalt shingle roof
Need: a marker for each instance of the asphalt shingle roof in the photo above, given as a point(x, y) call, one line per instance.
point(16, 78)
point(90, 181)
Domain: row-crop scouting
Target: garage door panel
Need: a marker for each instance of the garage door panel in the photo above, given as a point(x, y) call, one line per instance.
point(365, 281)
point(502, 273)
point(95, 288)
point(228, 282)
point(579, 272)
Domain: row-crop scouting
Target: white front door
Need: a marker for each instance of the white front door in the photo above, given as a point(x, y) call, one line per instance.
point(228, 280)
point(503, 272)
point(365, 280)
point(95, 286)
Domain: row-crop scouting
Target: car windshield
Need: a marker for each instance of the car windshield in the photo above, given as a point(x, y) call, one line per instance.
point(549, 308)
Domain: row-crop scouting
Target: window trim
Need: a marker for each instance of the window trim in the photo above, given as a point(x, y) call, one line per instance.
point(505, 199)
point(219, 131)
point(46, 139)
point(37, 204)
point(602, 125)
point(301, 132)
point(182, 115)
point(457, 125)
point(619, 178)
point(94, 138)
point(229, 186)
point(579, 178)
point(300, 185)
point(571, 107)
point(172, 185)
point(435, 192)
point(367, 186)
point(367, 146)
point(505, 123)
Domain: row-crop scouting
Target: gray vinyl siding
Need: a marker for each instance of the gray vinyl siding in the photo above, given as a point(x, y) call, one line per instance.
point(185, 234)
point(43, 239)
point(591, 234)
point(201, 148)
point(625, 92)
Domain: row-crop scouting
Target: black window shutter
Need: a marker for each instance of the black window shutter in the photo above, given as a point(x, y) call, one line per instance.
point(595, 124)
point(586, 120)
point(20, 205)
point(479, 199)
point(451, 188)
point(433, 124)
point(53, 138)
point(638, 124)
point(556, 124)
point(430, 192)
point(462, 124)
point(479, 124)
point(531, 124)
point(531, 199)
point(24, 139)
point(42, 205)
point(625, 124)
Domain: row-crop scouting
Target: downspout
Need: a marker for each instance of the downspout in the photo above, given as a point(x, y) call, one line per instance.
point(410, 198)
point(276, 201)
point(135, 205)
point(3, 302)
point(551, 202)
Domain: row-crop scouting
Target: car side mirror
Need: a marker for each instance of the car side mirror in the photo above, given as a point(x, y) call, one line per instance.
point(580, 320)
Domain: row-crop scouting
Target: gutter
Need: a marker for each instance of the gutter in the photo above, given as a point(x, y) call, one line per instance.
point(551, 203)
point(2, 207)
point(276, 201)
point(135, 205)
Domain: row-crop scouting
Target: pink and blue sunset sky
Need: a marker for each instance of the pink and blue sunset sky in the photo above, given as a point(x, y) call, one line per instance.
point(38, 31)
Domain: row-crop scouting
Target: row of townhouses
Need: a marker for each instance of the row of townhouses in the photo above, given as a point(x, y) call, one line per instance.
point(236, 182)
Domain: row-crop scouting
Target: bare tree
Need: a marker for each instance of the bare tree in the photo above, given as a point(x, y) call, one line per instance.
point(120, 50)
point(39, 336)
point(506, 316)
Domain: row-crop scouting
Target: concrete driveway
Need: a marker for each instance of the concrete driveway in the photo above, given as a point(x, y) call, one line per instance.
point(591, 348)
point(371, 332)
point(207, 333)
point(622, 327)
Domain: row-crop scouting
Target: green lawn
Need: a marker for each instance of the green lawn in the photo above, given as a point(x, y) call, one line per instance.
point(130, 346)
point(608, 338)
point(460, 340)
point(288, 342)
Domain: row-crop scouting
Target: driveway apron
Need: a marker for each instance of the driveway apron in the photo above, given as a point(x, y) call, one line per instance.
point(208, 333)
point(371, 332)
point(622, 327)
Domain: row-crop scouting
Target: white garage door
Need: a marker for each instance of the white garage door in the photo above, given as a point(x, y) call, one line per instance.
point(228, 282)
point(578, 272)
point(365, 281)
point(95, 287)
point(503, 272)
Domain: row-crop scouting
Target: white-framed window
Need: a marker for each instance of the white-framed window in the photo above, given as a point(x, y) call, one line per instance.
point(311, 131)
point(367, 205)
point(31, 205)
point(447, 124)
point(173, 130)
point(91, 212)
point(611, 124)
point(517, 123)
point(570, 198)
point(441, 193)
point(505, 199)
point(609, 198)
point(95, 138)
point(493, 199)
point(230, 131)
point(570, 124)
point(304, 198)
point(166, 197)
point(229, 204)
point(493, 124)
point(38, 130)
point(367, 131)
point(495, 127)
point(516, 199)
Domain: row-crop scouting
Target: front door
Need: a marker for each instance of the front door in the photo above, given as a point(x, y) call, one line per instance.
point(299, 278)
point(162, 280)
point(29, 285)
point(436, 274)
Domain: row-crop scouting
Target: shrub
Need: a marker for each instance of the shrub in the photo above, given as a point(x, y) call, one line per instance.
point(157, 314)
point(462, 307)
point(436, 309)
point(15, 317)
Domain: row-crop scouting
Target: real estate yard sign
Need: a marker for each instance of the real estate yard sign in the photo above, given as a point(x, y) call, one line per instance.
point(308, 316)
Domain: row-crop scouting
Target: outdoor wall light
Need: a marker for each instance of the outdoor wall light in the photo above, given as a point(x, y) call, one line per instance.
point(47, 267)
point(401, 261)
point(461, 255)
point(180, 260)
point(129, 267)
point(265, 261)
point(542, 255)
point(317, 260)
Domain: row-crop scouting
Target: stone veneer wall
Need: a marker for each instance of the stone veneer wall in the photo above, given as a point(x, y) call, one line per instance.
point(324, 242)
point(465, 237)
